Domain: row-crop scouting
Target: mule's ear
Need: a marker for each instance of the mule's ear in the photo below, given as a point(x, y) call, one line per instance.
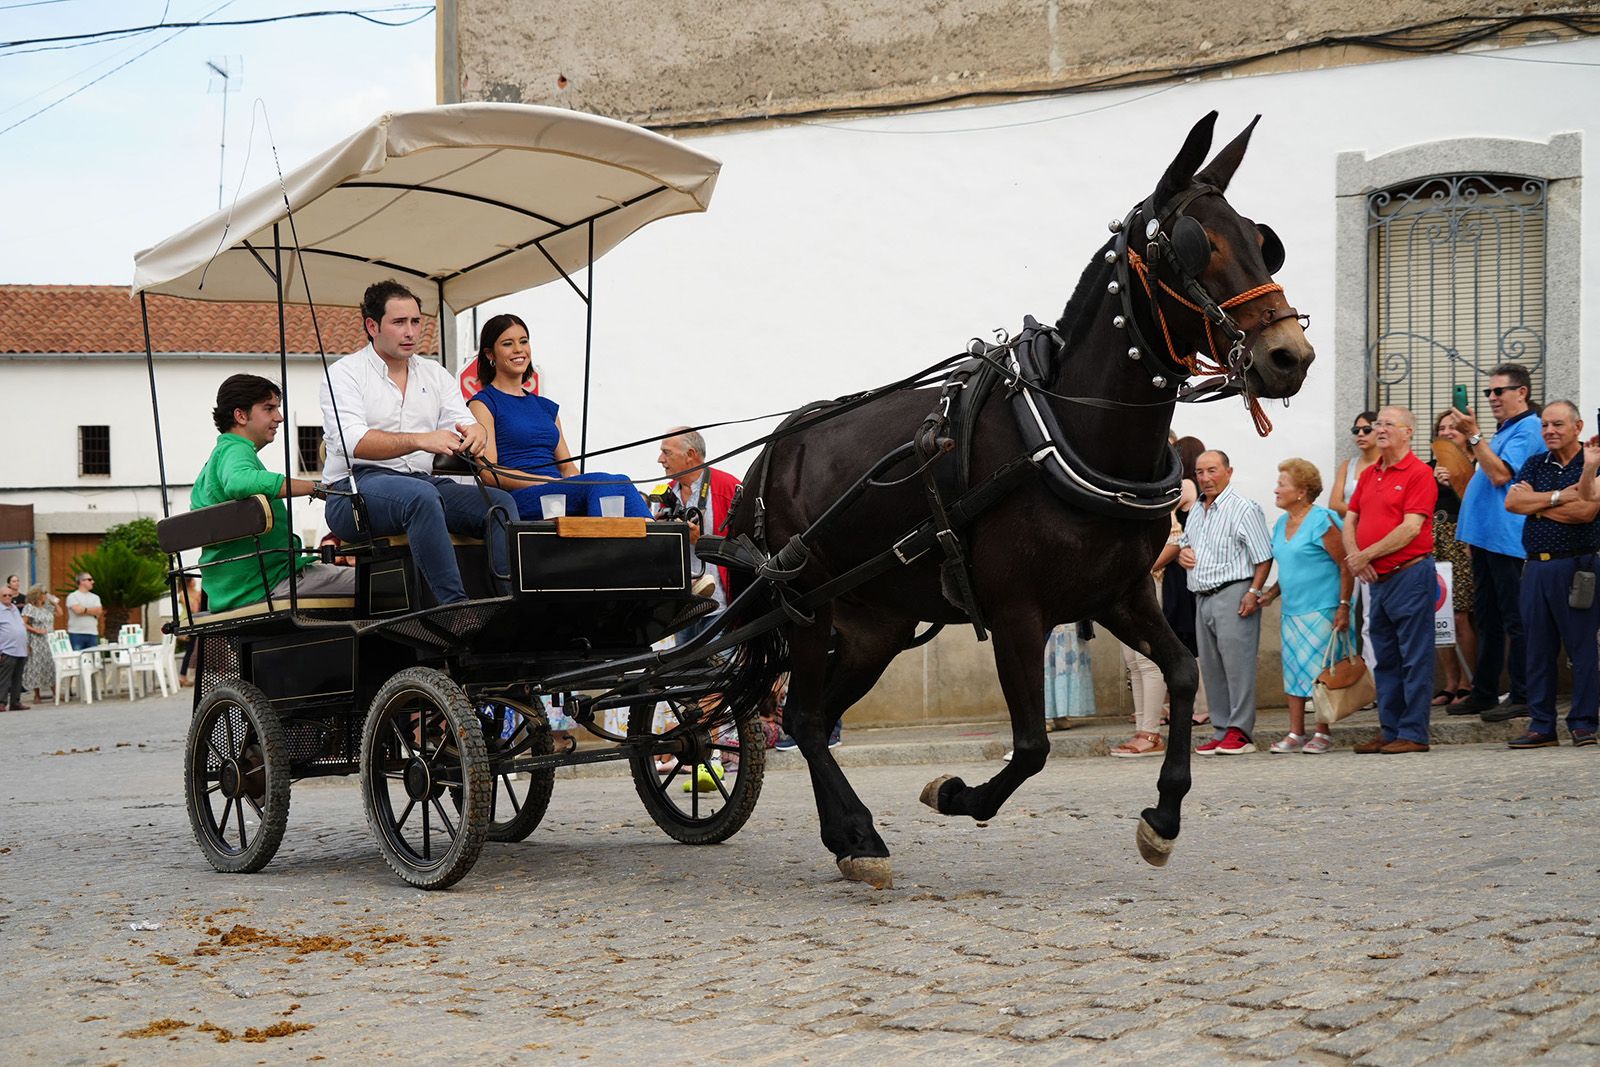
point(1180, 172)
point(1219, 171)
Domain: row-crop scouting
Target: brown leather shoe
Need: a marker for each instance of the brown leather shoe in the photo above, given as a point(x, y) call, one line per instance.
point(1400, 745)
point(1368, 747)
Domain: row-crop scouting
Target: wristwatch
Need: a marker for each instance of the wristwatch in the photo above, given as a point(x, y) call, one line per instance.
point(1472, 442)
point(1257, 594)
point(1555, 498)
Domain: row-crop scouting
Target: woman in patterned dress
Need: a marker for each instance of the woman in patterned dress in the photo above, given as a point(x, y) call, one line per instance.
point(38, 616)
point(1454, 660)
point(1315, 586)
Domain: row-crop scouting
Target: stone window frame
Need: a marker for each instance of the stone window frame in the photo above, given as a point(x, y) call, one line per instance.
point(1559, 162)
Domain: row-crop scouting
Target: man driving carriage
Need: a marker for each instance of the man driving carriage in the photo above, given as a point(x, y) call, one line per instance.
point(248, 413)
point(394, 412)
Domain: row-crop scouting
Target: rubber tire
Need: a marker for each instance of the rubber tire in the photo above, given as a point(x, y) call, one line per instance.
point(679, 825)
point(438, 689)
point(274, 815)
point(540, 783)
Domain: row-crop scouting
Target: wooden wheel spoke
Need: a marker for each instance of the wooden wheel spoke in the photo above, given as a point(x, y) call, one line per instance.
point(425, 831)
point(257, 807)
point(449, 827)
point(405, 742)
point(516, 805)
point(405, 815)
point(239, 811)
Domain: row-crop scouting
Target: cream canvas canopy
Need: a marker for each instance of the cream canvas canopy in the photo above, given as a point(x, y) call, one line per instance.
point(462, 203)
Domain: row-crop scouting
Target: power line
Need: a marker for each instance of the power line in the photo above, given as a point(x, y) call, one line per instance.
point(133, 59)
point(32, 3)
point(100, 35)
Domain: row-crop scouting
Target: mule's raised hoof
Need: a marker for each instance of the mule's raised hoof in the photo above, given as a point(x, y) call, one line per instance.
point(873, 870)
point(1155, 849)
point(930, 792)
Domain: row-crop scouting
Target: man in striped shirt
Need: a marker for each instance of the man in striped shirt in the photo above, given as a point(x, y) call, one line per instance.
point(1227, 550)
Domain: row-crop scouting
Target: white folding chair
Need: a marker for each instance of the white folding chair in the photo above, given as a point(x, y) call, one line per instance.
point(146, 660)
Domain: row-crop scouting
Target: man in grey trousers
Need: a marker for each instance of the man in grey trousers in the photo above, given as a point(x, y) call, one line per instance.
point(1227, 551)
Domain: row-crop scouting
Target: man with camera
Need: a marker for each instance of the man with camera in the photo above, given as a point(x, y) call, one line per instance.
point(1562, 538)
point(701, 494)
point(1495, 535)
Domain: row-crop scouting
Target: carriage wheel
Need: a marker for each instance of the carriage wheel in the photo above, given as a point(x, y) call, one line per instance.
point(421, 740)
point(715, 805)
point(515, 731)
point(236, 775)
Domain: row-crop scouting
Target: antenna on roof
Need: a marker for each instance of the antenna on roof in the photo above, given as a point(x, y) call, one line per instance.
point(227, 73)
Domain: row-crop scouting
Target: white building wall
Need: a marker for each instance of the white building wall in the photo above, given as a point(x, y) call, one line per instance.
point(838, 255)
point(41, 453)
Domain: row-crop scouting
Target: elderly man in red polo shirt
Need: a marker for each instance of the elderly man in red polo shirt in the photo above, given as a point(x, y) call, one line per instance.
point(1388, 543)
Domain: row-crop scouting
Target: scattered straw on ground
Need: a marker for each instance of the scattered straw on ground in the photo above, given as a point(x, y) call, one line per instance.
point(156, 1028)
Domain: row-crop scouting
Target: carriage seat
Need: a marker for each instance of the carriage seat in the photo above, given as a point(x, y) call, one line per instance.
point(230, 521)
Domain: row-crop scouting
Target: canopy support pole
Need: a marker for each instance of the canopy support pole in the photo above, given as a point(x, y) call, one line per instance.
point(588, 350)
point(155, 405)
point(292, 431)
point(445, 319)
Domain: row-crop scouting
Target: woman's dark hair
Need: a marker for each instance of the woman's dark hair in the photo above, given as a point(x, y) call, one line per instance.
point(376, 299)
point(1189, 450)
point(240, 391)
point(1369, 417)
point(487, 337)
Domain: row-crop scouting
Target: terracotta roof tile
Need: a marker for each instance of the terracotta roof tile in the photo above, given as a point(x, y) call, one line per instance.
point(103, 319)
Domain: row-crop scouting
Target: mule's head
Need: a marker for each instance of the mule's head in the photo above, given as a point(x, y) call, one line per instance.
point(1207, 249)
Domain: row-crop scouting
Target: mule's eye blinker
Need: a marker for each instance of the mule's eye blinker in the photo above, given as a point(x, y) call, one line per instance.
point(1190, 245)
point(1271, 249)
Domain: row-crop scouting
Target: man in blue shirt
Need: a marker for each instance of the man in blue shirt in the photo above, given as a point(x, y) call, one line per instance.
point(1495, 535)
point(1561, 537)
point(13, 652)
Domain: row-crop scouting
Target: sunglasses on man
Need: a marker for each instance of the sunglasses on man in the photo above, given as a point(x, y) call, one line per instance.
point(1495, 391)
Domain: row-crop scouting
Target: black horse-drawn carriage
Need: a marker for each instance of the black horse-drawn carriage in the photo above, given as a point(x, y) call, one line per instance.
point(441, 709)
point(1015, 487)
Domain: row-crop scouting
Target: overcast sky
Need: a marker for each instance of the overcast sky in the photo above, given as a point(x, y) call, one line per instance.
point(134, 158)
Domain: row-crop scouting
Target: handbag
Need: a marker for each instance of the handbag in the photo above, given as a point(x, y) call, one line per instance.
point(1345, 685)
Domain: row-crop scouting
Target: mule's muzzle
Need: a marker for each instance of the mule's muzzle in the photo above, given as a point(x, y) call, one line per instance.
point(1279, 360)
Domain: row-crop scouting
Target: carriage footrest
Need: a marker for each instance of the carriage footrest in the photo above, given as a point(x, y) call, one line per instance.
point(740, 552)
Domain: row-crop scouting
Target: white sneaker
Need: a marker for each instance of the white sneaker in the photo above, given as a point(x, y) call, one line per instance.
point(1007, 757)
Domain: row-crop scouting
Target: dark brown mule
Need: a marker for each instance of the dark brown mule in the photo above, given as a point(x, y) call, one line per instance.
point(1036, 562)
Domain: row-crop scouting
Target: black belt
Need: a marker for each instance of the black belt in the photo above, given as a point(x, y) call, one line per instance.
point(1545, 557)
point(1214, 590)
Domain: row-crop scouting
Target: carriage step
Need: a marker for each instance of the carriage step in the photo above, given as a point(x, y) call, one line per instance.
point(740, 552)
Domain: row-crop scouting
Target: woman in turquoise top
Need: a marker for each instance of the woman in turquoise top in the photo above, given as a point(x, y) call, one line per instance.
point(525, 436)
point(1315, 586)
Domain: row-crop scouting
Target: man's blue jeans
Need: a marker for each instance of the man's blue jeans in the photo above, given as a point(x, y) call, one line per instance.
point(79, 642)
point(1402, 635)
point(427, 510)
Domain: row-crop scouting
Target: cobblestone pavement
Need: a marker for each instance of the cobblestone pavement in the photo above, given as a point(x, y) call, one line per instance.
point(1369, 909)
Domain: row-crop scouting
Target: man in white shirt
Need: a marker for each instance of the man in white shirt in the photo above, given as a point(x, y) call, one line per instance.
point(395, 412)
point(83, 614)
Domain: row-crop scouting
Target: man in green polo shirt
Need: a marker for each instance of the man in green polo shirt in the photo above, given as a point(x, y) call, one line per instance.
point(248, 413)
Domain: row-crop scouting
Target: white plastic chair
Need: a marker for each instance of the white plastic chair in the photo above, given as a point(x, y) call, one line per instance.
point(147, 660)
point(69, 667)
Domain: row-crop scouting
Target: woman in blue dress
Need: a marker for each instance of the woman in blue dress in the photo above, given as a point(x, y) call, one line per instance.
point(525, 432)
point(1315, 586)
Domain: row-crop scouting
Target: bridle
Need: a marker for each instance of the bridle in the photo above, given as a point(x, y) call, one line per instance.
point(1176, 252)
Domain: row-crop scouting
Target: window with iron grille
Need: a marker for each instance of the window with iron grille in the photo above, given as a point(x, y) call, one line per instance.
point(94, 450)
point(309, 441)
point(1456, 278)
